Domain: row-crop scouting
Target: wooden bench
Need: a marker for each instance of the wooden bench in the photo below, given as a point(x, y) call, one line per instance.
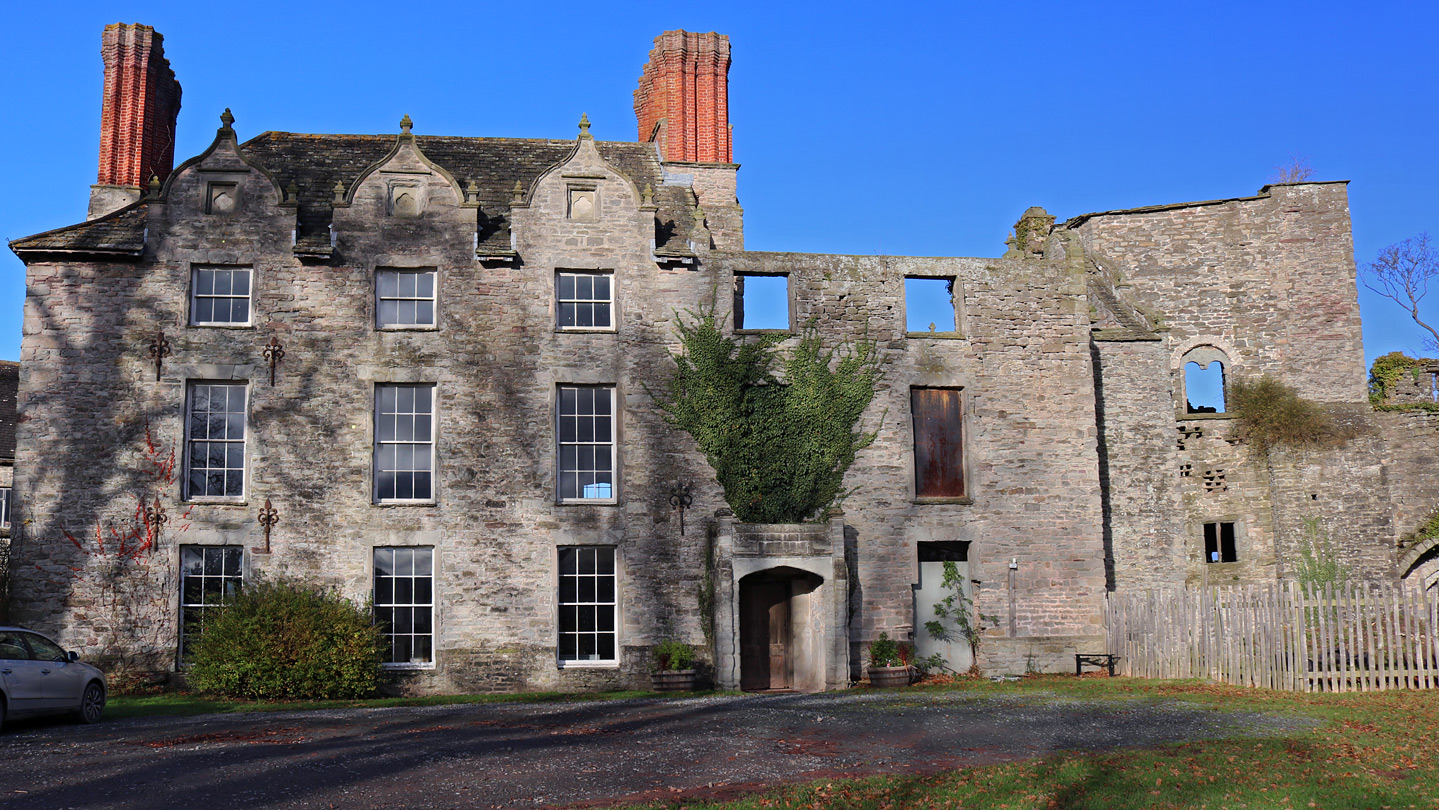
point(1081, 660)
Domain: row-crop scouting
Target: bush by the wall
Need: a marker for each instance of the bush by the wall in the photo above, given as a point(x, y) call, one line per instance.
point(1272, 414)
point(285, 640)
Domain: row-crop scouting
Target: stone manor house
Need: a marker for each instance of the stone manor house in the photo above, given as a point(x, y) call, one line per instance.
point(414, 368)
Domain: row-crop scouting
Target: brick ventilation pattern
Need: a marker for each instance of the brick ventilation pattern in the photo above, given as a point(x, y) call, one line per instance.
point(685, 91)
point(142, 101)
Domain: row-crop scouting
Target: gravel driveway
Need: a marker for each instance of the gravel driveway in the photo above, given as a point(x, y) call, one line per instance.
point(546, 754)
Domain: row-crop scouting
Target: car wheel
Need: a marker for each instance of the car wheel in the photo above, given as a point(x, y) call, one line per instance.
point(92, 703)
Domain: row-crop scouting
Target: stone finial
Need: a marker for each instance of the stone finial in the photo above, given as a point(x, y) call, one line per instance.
point(405, 124)
point(699, 215)
point(519, 193)
point(226, 120)
point(585, 128)
point(292, 192)
point(931, 326)
point(472, 191)
point(154, 186)
point(339, 191)
point(647, 197)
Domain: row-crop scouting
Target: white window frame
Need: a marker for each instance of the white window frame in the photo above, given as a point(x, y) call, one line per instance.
point(571, 594)
point(593, 446)
point(5, 503)
point(203, 606)
point(425, 608)
point(196, 296)
point(413, 442)
point(402, 299)
point(191, 439)
point(576, 301)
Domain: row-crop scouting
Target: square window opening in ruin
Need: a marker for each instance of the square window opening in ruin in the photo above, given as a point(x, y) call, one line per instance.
point(937, 416)
point(405, 299)
point(584, 301)
point(1219, 542)
point(943, 551)
point(220, 296)
point(929, 306)
point(405, 605)
point(588, 607)
point(761, 301)
point(1204, 387)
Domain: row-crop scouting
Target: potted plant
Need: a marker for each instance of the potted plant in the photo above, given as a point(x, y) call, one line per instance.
point(887, 666)
point(674, 667)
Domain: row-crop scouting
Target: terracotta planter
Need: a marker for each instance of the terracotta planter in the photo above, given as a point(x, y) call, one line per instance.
point(881, 677)
point(674, 680)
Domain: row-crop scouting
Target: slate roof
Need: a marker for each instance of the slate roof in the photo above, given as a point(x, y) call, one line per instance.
point(316, 162)
point(9, 387)
point(121, 232)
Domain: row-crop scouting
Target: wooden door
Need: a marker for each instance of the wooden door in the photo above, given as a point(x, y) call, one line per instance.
point(764, 635)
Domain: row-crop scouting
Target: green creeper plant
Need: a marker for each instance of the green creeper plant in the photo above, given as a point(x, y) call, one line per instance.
point(779, 443)
point(1318, 565)
point(959, 608)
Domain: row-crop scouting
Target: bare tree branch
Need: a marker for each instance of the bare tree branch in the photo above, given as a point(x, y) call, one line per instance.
point(1402, 272)
point(1297, 170)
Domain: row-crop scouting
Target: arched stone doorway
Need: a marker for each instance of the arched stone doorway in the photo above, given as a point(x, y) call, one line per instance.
point(778, 631)
point(781, 605)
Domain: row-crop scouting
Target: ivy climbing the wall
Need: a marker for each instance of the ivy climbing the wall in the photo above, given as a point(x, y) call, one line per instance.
point(1388, 370)
point(779, 445)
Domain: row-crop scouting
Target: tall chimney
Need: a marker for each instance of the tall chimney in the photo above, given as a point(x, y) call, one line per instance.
point(683, 98)
point(137, 121)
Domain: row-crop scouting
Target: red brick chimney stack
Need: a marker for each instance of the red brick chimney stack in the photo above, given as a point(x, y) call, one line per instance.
point(683, 98)
point(137, 121)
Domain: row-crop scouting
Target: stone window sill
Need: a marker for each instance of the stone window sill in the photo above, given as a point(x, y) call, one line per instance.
point(963, 500)
point(935, 335)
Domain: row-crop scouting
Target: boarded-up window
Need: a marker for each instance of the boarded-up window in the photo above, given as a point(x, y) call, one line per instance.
point(938, 442)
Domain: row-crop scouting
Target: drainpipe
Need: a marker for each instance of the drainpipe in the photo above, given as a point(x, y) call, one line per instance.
point(1013, 569)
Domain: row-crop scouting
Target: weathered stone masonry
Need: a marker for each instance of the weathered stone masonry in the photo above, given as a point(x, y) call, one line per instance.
point(1083, 470)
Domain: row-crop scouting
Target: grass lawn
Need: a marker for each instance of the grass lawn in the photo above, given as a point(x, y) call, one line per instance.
point(1377, 750)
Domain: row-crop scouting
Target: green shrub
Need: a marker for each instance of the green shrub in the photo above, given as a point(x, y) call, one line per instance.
point(885, 652)
point(672, 656)
point(1272, 414)
point(286, 640)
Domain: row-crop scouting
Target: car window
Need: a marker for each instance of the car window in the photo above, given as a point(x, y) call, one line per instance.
point(44, 649)
point(13, 647)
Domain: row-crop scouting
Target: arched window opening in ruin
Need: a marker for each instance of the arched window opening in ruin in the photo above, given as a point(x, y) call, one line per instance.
point(1202, 384)
point(1204, 387)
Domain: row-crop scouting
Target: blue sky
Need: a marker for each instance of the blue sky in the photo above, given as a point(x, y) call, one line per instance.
point(907, 129)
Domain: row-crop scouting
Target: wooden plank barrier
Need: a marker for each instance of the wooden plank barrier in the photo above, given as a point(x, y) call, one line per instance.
point(1365, 636)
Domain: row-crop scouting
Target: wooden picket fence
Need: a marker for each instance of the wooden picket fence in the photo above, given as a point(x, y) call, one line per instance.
point(1359, 637)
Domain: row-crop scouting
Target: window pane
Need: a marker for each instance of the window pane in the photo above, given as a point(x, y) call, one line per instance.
point(426, 285)
point(389, 313)
point(241, 282)
point(388, 283)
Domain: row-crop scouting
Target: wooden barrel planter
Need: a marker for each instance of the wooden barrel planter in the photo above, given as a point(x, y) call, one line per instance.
point(674, 680)
point(882, 677)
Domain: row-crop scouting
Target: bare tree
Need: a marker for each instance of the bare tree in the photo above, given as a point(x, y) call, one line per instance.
point(1402, 273)
point(1297, 170)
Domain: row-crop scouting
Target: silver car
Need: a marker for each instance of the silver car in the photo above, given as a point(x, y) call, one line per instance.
point(37, 676)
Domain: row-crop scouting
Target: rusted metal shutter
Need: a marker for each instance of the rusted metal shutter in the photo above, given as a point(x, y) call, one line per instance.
point(938, 442)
